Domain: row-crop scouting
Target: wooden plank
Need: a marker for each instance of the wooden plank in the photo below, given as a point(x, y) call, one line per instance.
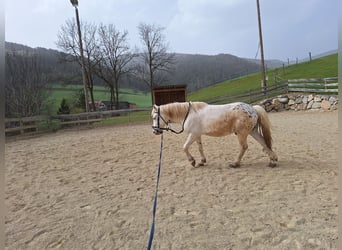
point(12, 129)
point(332, 84)
point(313, 90)
point(81, 121)
point(313, 79)
point(20, 128)
point(34, 118)
point(322, 85)
point(306, 80)
point(27, 119)
point(7, 120)
point(331, 78)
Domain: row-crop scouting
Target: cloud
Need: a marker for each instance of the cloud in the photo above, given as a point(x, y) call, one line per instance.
point(215, 25)
point(202, 15)
point(290, 28)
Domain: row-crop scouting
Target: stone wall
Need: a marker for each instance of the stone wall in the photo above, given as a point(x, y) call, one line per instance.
point(300, 102)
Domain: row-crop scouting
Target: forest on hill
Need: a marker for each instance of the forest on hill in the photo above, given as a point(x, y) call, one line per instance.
point(194, 70)
point(30, 72)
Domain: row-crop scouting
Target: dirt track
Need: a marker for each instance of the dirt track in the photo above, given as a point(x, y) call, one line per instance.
point(93, 189)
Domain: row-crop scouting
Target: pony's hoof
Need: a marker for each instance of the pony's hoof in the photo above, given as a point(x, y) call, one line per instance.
point(272, 164)
point(201, 164)
point(193, 163)
point(234, 165)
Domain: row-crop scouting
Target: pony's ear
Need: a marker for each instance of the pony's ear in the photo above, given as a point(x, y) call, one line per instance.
point(155, 106)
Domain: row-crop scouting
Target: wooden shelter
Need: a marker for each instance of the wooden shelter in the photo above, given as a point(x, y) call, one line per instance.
point(169, 94)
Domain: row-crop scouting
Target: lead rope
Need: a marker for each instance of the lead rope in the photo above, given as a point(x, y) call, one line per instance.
point(155, 196)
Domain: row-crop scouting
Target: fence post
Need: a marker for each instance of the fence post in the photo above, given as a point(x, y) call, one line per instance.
point(325, 84)
point(36, 124)
point(21, 123)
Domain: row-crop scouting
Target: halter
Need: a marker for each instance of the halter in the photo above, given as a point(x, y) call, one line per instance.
point(167, 128)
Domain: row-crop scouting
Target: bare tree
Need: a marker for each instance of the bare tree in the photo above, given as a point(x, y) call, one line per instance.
point(155, 56)
point(114, 57)
point(67, 41)
point(25, 84)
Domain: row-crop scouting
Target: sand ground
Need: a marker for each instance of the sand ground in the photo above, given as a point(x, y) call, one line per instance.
point(94, 189)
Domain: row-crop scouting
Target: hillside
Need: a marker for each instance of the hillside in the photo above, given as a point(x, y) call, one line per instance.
point(200, 71)
point(318, 68)
point(50, 63)
point(196, 71)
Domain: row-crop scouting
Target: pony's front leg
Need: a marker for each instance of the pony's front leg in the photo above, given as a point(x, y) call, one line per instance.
point(191, 138)
point(200, 148)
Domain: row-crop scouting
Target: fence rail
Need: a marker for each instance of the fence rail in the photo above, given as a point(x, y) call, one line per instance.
point(36, 124)
point(252, 95)
point(311, 85)
point(314, 85)
point(23, 124)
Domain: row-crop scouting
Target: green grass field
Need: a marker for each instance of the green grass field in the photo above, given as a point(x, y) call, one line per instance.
point(58, 92)
point(318, 68)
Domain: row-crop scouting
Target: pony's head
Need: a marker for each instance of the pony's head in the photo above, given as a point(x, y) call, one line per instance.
point(158, 122)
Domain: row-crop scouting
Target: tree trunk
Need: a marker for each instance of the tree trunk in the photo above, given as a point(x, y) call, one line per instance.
point(117, 95)
point(112, 97)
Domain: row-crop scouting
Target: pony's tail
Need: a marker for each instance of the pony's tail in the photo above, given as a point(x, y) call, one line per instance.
point(264, 125)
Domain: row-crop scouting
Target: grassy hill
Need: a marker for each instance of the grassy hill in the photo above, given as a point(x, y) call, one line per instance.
point(317, 68)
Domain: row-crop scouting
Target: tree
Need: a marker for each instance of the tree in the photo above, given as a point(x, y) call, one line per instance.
point(154, 55)
point(25, 84)
point(64, 108)
point(67, 41)
point(79, 100)
point(114, 57)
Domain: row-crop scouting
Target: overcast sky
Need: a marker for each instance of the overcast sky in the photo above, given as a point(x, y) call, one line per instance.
point(291, 28)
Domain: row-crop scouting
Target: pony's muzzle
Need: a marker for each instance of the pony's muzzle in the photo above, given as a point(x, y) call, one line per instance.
point(157, 131)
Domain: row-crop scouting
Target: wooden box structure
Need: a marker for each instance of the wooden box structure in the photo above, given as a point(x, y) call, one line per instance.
point(169, 94)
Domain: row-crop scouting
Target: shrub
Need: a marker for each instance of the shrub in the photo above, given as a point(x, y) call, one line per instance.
point(64, 108)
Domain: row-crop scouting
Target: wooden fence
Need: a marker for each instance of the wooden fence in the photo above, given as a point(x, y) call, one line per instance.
point(36, 124)
point(252, 95)
point(91, 117)
point(24, 124)
point(314, 85)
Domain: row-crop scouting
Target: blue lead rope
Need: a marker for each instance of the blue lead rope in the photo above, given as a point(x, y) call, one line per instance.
point(155, 197)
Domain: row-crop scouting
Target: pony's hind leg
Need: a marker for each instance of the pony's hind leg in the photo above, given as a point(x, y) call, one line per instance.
point(273, 157)
point(243, 147)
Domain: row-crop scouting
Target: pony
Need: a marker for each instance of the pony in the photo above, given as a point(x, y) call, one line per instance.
point(200, 118)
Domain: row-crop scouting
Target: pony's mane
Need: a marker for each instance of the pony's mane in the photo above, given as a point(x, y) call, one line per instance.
point(177, 110)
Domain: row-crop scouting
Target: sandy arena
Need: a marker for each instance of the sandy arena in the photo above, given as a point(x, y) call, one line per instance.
point(94, 189)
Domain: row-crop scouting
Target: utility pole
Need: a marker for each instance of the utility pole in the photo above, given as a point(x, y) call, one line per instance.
point(84, 77)
point(263, 71)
